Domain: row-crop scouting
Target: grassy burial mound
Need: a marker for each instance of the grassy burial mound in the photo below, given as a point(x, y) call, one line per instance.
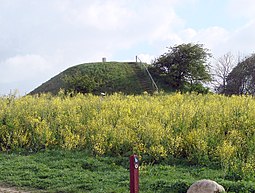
point(106, 77)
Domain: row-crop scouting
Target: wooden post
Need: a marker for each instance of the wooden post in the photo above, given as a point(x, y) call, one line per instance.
point(134, 173)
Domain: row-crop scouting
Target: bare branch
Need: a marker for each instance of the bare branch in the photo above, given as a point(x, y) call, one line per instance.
point(223, 66)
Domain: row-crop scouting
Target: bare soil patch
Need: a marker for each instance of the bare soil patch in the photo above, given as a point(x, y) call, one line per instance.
point(5, 189)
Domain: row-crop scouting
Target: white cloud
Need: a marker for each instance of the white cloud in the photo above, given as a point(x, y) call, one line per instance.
point(189, 33)
point(41, 38)
point(108, 15)
point(243, 39)
point(241, 8)
point(213, 38)
point(147, 58)
point(20, 68)
point(150, 18)
point(99, 15)
point(159, 22)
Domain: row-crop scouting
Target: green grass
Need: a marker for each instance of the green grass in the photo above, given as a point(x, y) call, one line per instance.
point(57, 171)
point(74, 171)
point(108, 77)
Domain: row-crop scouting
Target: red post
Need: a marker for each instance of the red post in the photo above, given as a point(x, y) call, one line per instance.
point(134, 174)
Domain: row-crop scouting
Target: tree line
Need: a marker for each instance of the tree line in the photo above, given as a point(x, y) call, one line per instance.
point(187, 68)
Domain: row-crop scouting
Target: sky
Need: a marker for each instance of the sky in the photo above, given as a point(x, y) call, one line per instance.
point(41, 38)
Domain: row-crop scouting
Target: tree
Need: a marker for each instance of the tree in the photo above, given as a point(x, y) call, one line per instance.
point(184, 67)
point(81, 83)
point(241, 80)
point(223, 66)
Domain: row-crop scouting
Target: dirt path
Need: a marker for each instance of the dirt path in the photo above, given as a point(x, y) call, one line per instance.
point(11, 190)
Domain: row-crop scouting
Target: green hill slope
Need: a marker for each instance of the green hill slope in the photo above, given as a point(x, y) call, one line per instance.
point(107, 77)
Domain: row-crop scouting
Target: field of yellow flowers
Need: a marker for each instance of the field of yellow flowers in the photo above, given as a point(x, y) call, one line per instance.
point(201, 129)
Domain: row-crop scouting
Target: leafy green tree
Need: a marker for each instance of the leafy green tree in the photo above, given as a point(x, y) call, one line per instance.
point(184, 67)
point(241, 80)
point(81, 83)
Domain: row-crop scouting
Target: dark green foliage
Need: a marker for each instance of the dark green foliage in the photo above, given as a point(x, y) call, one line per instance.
point(184, 66)
point(241, 79)
point(168, 186)
point(197, 87)
point(238, 186)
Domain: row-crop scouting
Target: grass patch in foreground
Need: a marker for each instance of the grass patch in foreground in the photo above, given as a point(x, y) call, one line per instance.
point(73, 171)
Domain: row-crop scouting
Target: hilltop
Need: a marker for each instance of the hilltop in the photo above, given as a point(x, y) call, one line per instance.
point(100, 77)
